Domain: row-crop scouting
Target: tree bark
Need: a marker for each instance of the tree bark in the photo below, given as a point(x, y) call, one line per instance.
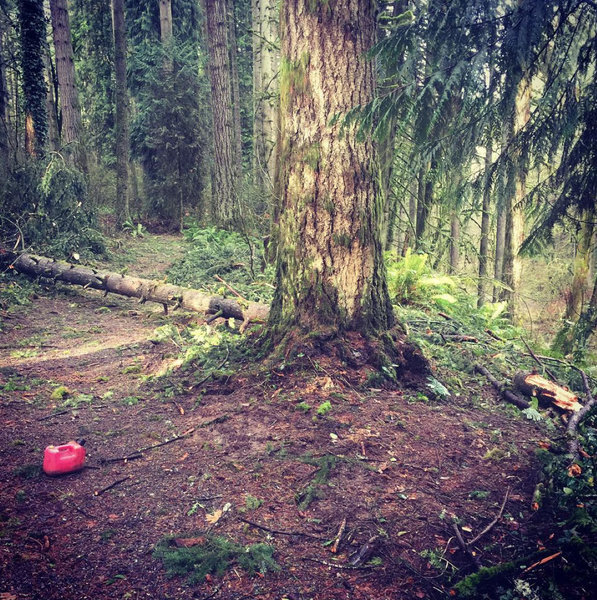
point(582, 262)
point(4, 104)
point(65, 71)
point(454, 243)
point(330, 272)
point(52, 103)
point(512, 270)
point(122, 117)
point(266, 59)
point(485, 224)
point(33, 36)
point(225, 180)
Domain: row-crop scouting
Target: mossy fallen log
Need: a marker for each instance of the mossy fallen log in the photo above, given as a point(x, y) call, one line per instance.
point(145, 290)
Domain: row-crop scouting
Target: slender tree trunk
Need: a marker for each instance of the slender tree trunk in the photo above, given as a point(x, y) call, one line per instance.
point(122, 118)
point(65, 71)
point(266, 59)
point(51, 105)
point(4, 105)
point(485, 224)
point(166, 31)
point(424, 203)
point(454, 243)
point(226, 159)
point(513, 206)
point(500, 240)
point(330, 272)
point(33, 35)
point(233, 51)
point(582, 262)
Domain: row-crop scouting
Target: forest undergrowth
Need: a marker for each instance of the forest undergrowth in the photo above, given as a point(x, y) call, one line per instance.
point(540, 543)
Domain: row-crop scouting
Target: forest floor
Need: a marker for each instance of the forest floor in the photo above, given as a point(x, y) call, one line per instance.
point(253, 463)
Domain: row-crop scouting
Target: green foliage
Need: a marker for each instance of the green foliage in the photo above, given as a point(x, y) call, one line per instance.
point(235, 258)
point(306, 495)
point(168, 134)
point(214, 557)
point(45, 208)
point(324, 408)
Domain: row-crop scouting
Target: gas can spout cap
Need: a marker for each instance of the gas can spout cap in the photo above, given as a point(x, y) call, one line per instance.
point(81, 442)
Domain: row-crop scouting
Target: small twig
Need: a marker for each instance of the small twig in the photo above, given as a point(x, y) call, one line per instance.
point(230, 288)
point(178, 407)
point(79, 509)
point(55, 414)
point(465, 547)
point(112, 485)
point(335, 566)
point(214, 317)
point(214, 593)
point(279, 532)
point(493, 523)
point(507, 394)
point(495, 336)
point(139, 453)
point(339, 536)
point(536, 359)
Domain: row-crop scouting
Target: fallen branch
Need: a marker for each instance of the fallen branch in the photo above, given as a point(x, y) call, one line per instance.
point(465, 547)
point(577, 417)
point(536, 386)
point(112, 485)
point(508, 395)
point(279, 532)
point(336, 566)
point(143, 289)
point(536, 359)
point(494, 522)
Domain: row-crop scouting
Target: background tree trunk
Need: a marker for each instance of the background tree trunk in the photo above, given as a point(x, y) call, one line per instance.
point(330, 273)
point(485, 224)
point(266, 59)
point(4, 103)
point(65, 71)
point(33, 35)
point(226, 159)
point(52, 103)
point(122, 117)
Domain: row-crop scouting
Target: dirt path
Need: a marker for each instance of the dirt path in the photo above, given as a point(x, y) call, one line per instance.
point(399, 466)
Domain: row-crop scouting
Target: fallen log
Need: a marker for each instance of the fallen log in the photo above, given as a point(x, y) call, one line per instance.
point(143, 289)
point(508, 395)
point(536, 386)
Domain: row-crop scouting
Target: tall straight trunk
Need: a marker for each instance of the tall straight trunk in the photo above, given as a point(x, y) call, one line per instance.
point(65, 71)
point(122, 117)
point(513, 205)
point(51, 105)
point(454, 243)
point(330, 272)
point(582, 263)
point(232, 52)
point(33, 35)
point(411, 226)
point(225, 181)
point(4, 104)
point(424, 203)
point(166, 31)
point(500, 241)
point(266, 59)
point(485, 224)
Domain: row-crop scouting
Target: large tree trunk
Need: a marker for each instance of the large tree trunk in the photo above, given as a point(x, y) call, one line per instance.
point(33, 35)
point(330, 272)
point(225, 180)
point(65, 71)
point(122, 117)
point(266, 60)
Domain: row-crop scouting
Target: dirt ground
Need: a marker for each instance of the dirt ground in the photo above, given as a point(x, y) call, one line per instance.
point(401, 467)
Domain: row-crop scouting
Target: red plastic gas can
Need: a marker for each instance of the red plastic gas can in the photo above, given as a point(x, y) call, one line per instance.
point(64, 459)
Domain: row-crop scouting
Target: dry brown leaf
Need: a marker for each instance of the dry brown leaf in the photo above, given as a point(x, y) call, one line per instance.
point(7, 596)
point(574, 470)
point(183, 457)
point(214, 517)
